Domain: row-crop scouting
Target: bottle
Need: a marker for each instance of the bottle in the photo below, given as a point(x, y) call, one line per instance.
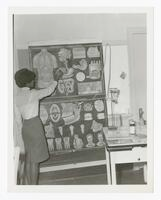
point(132, 127)
point(141, 119)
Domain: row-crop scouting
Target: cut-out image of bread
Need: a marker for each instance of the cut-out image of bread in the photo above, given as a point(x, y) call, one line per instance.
point(79, 52)
point(93, 52)
point(94, 70)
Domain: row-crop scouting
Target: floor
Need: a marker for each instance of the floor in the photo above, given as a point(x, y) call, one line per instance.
point(92, 175)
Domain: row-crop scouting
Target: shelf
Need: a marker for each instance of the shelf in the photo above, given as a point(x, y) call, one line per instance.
point(87, 155)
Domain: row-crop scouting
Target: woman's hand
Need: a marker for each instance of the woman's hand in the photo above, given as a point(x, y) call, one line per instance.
point(58, 74)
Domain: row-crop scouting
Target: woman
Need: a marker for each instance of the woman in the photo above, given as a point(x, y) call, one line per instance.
point(33, 135)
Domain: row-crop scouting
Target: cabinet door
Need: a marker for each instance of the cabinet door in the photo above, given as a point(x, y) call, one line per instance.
point(138, 71)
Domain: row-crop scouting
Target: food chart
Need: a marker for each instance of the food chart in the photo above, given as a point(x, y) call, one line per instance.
point(74, 115)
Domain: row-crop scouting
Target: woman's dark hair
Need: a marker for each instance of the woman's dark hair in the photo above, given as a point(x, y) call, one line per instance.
point(24, 76)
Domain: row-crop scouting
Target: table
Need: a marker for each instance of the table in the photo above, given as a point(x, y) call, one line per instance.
point(132, 149)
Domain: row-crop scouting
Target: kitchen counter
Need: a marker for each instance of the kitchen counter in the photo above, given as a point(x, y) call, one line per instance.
point(117, 138)
point(126, 142)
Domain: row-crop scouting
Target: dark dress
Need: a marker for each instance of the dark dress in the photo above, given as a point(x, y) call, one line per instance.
point(34, 140)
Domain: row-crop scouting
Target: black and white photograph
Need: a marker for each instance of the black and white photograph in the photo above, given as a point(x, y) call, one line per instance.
point(80, 99)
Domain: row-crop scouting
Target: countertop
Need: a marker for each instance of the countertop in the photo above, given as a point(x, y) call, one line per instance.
point(119, 139)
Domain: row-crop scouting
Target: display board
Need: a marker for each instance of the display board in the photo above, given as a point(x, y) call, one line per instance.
point(81, 64)
point(73, 117)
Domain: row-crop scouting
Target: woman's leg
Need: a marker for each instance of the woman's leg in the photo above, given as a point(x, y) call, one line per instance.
point(31, 171)
point(27, 170)
point(34, 173)
point(28, 173)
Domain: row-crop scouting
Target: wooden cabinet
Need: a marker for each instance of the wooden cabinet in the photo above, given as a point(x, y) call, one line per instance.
point(121, 156)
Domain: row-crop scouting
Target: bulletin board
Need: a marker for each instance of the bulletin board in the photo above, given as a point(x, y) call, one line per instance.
point(81, 64)
point(74, 116)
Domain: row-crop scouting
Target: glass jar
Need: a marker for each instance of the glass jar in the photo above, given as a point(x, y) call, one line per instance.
point(132, 125)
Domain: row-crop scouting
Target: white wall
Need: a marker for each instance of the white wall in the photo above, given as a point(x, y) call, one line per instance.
point(74, 27)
